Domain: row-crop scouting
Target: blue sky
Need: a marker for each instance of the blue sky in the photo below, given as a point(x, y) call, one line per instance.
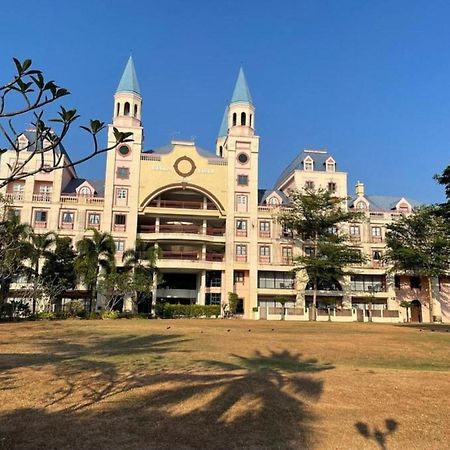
point(368, 80)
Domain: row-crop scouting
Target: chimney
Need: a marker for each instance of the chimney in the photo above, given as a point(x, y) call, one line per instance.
point(359, 189)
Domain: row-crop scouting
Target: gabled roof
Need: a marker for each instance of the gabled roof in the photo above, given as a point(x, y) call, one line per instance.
point(223, 131)
point(319, 158)
point(384, 202)
point(74, 183)
point(263, 194)
point(30, 134)
point(129, 81)
point(241, 91)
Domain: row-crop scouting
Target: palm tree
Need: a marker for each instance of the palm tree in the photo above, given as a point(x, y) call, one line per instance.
point(94, 253)
point(40, 248)
point(14, 250)
point(141, 260)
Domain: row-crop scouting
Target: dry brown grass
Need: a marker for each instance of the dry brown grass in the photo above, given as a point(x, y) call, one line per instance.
point(136, 384)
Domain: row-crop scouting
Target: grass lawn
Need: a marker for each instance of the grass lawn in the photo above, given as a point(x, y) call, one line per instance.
point(223, 384)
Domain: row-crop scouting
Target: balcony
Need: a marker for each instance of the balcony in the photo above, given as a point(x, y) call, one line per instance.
point(81, 199)
point(46, 198)
point(376, 239)
point(189, 229)
point(40, 224)
point(192, 256)
point(14, 196)
point(66, 226)
point(264, 234)
point(182, 204)
point(355, 238)
point(264, 259)
point(217, 257)
point(241, 258)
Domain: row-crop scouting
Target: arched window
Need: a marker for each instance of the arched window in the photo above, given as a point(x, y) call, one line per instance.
point(250, 121)
point(243, 118)
point(118, 109)
point(221, 151)
point(135, 110)
point(84, 192)
point(234, 119)
point(126, 109)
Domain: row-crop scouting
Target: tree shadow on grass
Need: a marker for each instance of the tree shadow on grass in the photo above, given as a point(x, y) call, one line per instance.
point(262, 401)
point(376, 434)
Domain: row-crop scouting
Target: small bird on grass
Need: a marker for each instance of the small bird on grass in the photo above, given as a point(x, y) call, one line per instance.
point(228, 330)
point(167, 328)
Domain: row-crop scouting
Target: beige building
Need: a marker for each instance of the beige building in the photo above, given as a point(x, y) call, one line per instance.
point(215, 229)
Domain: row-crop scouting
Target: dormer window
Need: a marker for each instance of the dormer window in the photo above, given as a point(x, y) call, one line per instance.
point(273, 201)
point(361, 206)
point(85, 192)
point(308, 164)
point(330, 165)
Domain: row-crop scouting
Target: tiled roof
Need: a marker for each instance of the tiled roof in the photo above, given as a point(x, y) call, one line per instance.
point(384, 202)
point(71, 187)
point(264, 193)
point(318, 156)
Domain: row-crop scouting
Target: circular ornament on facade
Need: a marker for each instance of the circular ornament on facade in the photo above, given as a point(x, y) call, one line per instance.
point(184, 166)
point(243, 158)
point(124, 150)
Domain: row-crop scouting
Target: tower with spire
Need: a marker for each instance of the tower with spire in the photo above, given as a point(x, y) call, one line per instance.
point(239, 145)
point(123, 162)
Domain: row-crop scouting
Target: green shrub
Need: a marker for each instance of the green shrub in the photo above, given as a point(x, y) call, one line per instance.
point(74, 308)
point(131, 315)
point(109, 314)
point(168, 311)
point(14, 310)
point(91, 315)
point(45, 315)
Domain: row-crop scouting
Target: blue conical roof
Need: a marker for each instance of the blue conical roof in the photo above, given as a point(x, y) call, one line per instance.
point(241, 91)
point(129, 81)
point(224, 125)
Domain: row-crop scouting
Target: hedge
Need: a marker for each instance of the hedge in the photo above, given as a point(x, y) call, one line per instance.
point(168, 311)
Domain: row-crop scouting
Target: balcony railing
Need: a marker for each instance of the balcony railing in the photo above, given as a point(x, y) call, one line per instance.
point(14, 196)
point(192, 256)
point(241, 258)
point(182, 204)
point(42, 198)
point(40, 224)
point(81, 199)
point(264, 234)
point(264, 259)
point(190, 229)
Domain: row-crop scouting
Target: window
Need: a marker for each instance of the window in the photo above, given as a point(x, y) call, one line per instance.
point(243, 119)
point(241, 201)
point(361, 206)
point(84, 192)
point(377, 255)
point(286, 254)
point(124, 150)
point(309, 251)
point(14, 213)
point(309, 184)
point(122, 193)
point(126, 109)
point(242, 180)
point(213, 278)
point(241, 224)
point(135, 110)
point(330, 166)
point(264, 251)
point(415, 282)
point(238, 277)
point(118, 109)
point(273, 201)
point(242, 158)
point(120, 246)
point(212, 298)
point(251, 120)
point(67, 217)
point(376, 231)
point(368, 283)
point(45, 189)
point(287, 232)
point(397, 281)
point(331, 186)
point(264, 228)
point(94, 219)
point(120, 219)
point(354, 230)
point(123, 172)
point(40, 216)
point(18, 188)
point(241, 250)
point(234, 119)
point(275, 280)
point(308, 164)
